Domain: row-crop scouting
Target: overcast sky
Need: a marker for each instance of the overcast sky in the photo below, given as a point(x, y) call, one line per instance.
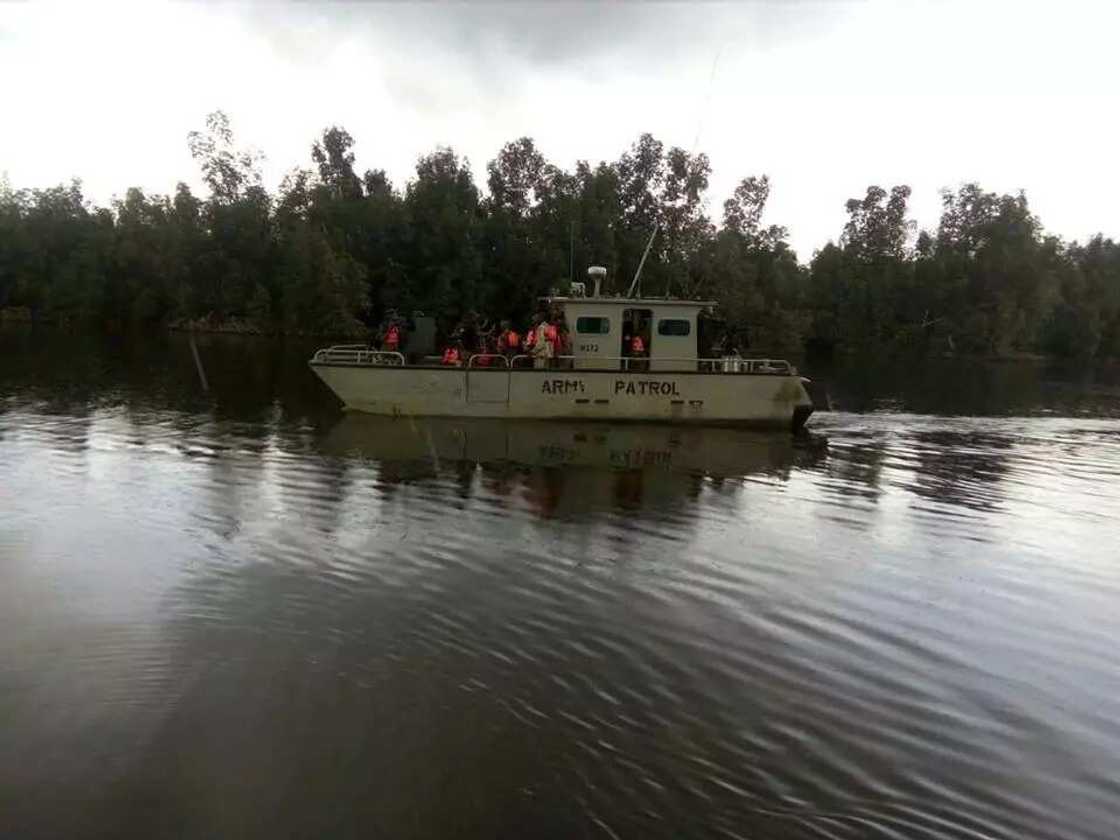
point(826, 97)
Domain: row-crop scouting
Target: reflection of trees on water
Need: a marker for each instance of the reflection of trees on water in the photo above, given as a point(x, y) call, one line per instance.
point(855, 467)
point(962, 463)
point(255, 380)
point(320, 658)
point(967, 386)
point(961, 468)
point(295, 693)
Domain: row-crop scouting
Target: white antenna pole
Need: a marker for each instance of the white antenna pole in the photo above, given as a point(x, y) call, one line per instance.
point(695, 144)
point(645, 253)
point(707, 101)
point(571, 252)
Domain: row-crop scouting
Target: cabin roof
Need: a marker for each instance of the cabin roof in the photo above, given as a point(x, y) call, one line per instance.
point(632, 303)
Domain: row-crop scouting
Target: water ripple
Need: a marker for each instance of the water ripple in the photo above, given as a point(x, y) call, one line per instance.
point(903, 626)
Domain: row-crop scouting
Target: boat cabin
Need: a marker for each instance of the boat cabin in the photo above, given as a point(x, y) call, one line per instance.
point(602, 329)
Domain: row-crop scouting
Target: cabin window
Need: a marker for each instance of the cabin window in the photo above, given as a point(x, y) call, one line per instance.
point(593, 326)
point(674, 326)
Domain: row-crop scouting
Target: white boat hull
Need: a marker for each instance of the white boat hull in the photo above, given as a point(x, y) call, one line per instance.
point(759, 399)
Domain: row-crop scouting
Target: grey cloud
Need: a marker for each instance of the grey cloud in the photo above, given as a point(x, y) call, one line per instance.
point(436, 58)
point(482, 39)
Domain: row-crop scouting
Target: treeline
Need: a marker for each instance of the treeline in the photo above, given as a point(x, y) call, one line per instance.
point(333, 251)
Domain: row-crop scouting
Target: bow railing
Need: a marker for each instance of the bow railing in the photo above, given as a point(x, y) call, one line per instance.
point(357, 354)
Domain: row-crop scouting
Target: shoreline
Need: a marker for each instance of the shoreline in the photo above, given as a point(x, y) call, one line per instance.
point(20, 317)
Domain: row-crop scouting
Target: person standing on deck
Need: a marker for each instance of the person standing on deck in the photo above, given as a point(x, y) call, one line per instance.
point(392, 340)
point(563, 340)
point(487, 351)
point(542, 347)
point(509, 342)
point(452, 357)
point(530, 339)
point(469, 333)
point(552, 336)
point(638, 352)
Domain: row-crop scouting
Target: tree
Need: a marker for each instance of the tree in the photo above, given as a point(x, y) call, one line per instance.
point(991, 246)
point(877, 228)
point(227, 170)
point(336, 164)
point(514, 177)
point(662, 192)
point(742, 213)
point(442, 258)
point(331, 252)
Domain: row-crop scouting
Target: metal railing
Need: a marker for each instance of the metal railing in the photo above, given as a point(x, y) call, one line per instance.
point(726, 364)
point(358, 354)
point(485, 360)
point(737, 364)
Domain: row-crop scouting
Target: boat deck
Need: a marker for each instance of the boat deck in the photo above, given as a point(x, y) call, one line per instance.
point(360, 355)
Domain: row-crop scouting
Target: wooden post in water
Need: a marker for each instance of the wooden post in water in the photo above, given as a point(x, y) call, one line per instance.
point(198, 364)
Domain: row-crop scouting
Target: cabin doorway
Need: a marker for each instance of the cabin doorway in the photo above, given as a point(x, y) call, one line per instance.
point(636, 338)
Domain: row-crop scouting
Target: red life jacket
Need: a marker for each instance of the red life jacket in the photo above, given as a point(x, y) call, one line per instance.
point(637, 346)
point(512, 340)
point(551, 334)
point(451, 356)
point(392, 338)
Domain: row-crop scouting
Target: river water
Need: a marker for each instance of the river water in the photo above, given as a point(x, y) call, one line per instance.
point(240, 613)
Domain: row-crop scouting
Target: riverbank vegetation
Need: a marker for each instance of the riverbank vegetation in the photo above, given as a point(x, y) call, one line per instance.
point(332, 251)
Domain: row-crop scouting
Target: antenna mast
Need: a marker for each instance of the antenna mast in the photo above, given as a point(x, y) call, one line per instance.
point(645, 253)
point(695, 143)
point(571, 252)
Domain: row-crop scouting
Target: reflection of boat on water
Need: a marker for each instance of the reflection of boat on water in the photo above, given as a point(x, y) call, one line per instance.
point(715, 451)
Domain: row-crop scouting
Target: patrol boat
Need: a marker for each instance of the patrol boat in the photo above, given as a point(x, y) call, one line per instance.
point(597, 381)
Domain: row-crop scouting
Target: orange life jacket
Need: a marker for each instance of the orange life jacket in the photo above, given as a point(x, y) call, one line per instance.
point(512, 340)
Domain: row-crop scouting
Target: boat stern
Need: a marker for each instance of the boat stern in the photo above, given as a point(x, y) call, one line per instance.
point(803, 408)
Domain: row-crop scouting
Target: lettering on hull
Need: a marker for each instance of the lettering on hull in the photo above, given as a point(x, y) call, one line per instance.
point(563, 386)
point(641, 457)
point(622, 387)
point(646, 388)
point(556, 454)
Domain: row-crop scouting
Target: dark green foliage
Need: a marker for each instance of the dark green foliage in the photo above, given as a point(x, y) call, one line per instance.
point(333, 251)
point(986, 281)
